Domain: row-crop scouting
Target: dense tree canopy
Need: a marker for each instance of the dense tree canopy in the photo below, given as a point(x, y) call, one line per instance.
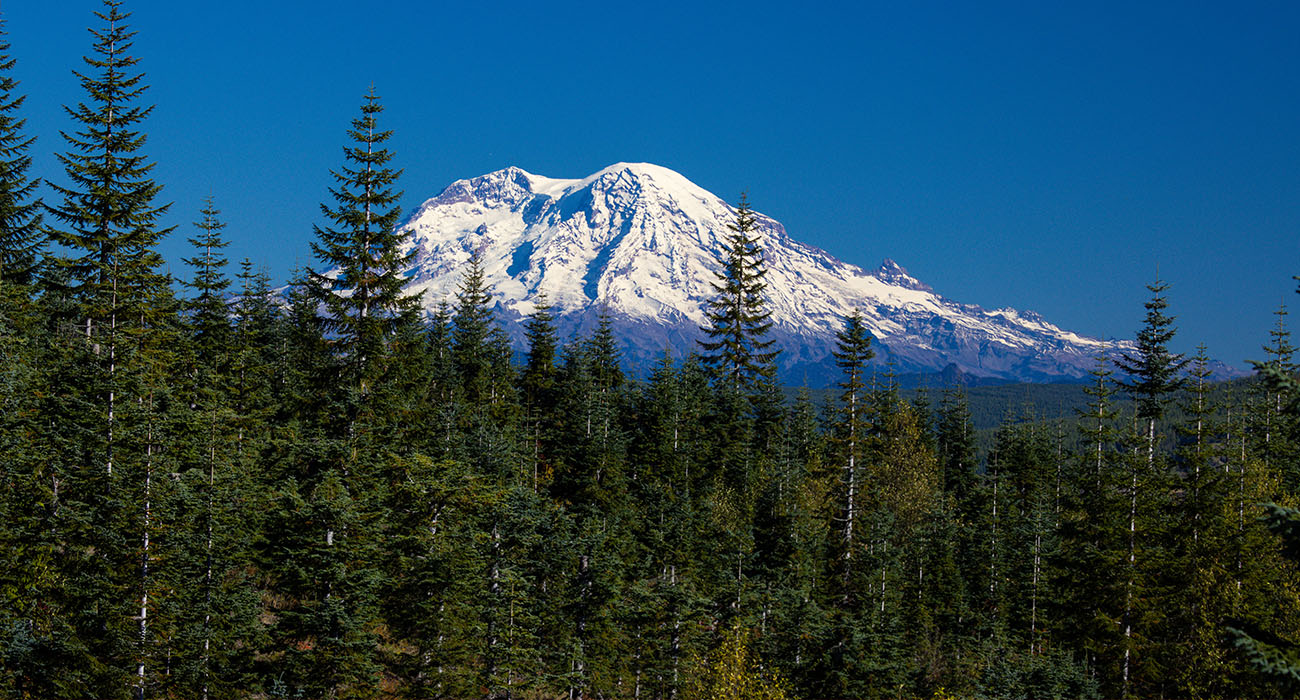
point(235, 491)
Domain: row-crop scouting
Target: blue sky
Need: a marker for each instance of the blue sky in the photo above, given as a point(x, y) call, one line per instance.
point(1009, 154)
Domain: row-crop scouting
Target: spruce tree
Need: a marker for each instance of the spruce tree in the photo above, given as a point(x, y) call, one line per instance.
point(470, 330)
point(538, 381)
point(361, 252)
point(853, 351)
point(209, 312)
point(1153, 371)
point(22, 239)
point(738, 316)
point(1153, 378)
point(1277, 429)
point(108, 222)
point(1269, 649)
point(108, 218)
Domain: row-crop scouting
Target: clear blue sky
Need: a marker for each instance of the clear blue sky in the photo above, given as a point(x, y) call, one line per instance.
point(1009, 154)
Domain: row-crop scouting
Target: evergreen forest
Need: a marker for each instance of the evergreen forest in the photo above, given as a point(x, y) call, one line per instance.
point(214, 487)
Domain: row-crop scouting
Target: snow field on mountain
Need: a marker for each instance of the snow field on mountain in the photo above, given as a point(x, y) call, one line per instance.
point(644, 243)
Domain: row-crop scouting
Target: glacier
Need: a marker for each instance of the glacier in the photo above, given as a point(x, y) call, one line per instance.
point(642, 244)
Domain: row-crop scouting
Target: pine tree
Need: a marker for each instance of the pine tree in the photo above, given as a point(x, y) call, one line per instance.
point(22, 239)
point(1153, 370)
point(955, 446)
point(108, 221)
point(538, 382)
point(209, 311)
point(853, 351)
point(471, 327)
point(1278, 429)
point(362, 253)
point(108, 209)
point(1270, 650)
point(1153, 379)
point(738, 316)
point(34, 658)
point(254, 357)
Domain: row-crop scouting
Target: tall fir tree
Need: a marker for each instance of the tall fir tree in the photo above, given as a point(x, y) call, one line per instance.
point(209, 310)
point(470, 329)
point(108, 217)
point(22, 239)
point(1153, 370)
point(108, 222)
point(738, 317)
point(1277, 429)
point(1154, 377)
point(361, 251)
point(852, 352)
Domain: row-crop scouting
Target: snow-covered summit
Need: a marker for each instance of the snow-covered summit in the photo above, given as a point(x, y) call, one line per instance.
point(643, 243)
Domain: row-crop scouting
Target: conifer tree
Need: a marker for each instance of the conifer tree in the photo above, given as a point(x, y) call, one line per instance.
point(471, 327)
point(22, 239)
point(108, 221)
point(208, 310)
point(539, 373)
point(1153, 370)
point(254, 357)
point(1277, 428)
point(1154, 377)
point(1269, 649)
point(853, 351)
point(108, 218)
point(361, 250)
point(955, 446)
point(538, 381)
point(738, 315)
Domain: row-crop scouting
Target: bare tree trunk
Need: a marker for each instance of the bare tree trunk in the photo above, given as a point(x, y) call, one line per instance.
point(144, 556)
point(1033, 600)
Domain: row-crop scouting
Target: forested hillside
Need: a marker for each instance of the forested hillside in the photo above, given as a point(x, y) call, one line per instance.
point(210, 488)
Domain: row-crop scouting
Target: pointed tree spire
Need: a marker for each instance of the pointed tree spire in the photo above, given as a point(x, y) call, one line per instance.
point(209, 309)
point(362, 253)
point(21, 238)
point(108, 218)
point(471, 327)
point(738, 317)
point(1153, 371)
point(852, 352)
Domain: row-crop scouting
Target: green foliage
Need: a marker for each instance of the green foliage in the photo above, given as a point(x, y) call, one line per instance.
point(108, 217)
point(1154, 370)
point(22, 240)
point(361, 285)
point(738, 317)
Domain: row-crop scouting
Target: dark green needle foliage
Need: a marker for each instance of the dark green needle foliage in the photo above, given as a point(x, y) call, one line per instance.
point(22, 239)
point(1154, 372)
point(209, 309)
point(360, 285)
point(108, 216)
point(739, 319)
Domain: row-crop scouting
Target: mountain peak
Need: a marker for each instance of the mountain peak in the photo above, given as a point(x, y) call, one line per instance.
point(645, 243)
point(895, 274)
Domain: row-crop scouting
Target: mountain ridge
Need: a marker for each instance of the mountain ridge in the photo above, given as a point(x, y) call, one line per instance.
point(643, 243)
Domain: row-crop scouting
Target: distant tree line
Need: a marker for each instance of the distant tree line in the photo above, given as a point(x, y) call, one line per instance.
point(232, 492)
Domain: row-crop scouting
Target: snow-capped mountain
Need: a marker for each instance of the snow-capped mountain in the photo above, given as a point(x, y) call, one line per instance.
point(643, 243)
